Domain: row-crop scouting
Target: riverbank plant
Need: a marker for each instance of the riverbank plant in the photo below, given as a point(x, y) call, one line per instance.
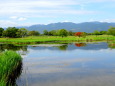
point(9, 61)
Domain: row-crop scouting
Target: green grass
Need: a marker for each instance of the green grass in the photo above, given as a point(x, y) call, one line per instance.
point(9, 60)
point(41, 39)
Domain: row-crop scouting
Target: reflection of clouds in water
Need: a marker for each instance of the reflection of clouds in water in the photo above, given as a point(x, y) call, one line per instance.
point(53, 62)
point(62, 68)
point(95, 51)
point(107, 50)
point(73, 79)
point(84, 65)
point(105, 80)
point(47, 45)
point(73, 53)
point(54, 66)
point(51, 70)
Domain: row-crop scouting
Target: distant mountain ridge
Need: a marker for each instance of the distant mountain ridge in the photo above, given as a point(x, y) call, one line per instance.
point(76, 27)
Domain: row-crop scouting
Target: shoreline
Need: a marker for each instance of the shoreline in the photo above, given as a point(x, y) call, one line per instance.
point(55, 39)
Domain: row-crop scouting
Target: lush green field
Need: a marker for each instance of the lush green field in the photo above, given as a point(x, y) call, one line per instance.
point(40, 39)
point(9, 61)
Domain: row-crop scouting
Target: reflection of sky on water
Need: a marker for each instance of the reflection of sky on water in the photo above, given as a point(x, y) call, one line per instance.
point(86, 66)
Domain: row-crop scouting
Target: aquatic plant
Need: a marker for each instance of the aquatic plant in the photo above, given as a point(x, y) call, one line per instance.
point(9, 61)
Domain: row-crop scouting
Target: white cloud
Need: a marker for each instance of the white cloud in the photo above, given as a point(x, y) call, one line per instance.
point(108, 20)
point(7, 23)
point(31, 7)
point(20, 10)
point(13, 17)
point(65, 21)
point(18, 18)
point(21, 19)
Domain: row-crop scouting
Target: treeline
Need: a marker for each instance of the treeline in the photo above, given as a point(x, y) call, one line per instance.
point(13, 32)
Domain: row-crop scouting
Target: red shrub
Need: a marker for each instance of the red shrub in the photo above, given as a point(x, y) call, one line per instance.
point(78, 34)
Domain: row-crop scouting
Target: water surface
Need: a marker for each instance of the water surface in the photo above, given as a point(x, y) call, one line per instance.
point(75, 64)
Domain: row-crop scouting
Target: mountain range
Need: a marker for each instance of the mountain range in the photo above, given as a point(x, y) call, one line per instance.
point(75, 27)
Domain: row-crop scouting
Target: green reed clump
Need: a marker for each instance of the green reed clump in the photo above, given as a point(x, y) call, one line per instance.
point(9, 60)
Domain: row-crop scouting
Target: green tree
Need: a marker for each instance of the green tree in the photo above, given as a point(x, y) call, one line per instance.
point(33, 33)
point(22, 32)
point(53, 33)
point(62, 32)
point(45, 32)
point(96, 32)
point(111, 31)
point(1, 31)
point(70, 33)
point(103, 32)
point(10, 32)
point(4, 33)
point(84, 34)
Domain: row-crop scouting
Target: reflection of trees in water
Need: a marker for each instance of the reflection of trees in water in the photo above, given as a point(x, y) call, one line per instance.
point(111, 45)
point(22, 50)
point(15, 75)
point(80, 44)
point(63, 47)
point(12, 47)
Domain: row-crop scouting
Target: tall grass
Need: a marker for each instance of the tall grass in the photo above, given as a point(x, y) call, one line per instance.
point(9, 60)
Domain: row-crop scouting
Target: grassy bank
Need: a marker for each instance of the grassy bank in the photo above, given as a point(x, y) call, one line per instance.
point(9, 61)
point(40, 39)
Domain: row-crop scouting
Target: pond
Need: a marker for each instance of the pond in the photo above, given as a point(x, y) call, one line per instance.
point(74, 64)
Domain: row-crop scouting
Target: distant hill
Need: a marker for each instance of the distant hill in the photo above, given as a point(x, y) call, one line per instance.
point(83, 27)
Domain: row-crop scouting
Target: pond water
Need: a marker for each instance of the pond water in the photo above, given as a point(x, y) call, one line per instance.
point(75, 64)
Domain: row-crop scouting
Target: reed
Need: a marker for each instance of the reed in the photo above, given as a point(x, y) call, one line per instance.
point(9, 60)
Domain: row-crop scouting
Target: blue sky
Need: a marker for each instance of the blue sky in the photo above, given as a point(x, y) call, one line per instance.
point(29, 12)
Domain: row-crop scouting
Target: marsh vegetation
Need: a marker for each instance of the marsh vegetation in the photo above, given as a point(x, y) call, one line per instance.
point(10, 67)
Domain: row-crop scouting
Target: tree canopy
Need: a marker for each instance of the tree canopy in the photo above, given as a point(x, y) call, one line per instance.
point(62, 32)
point(10, 32)
point(96, 32)
point(22, 32)
point(111, 31)
point(45, 32)
point(53, 33)
point(1, 31)
point(33, 33)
